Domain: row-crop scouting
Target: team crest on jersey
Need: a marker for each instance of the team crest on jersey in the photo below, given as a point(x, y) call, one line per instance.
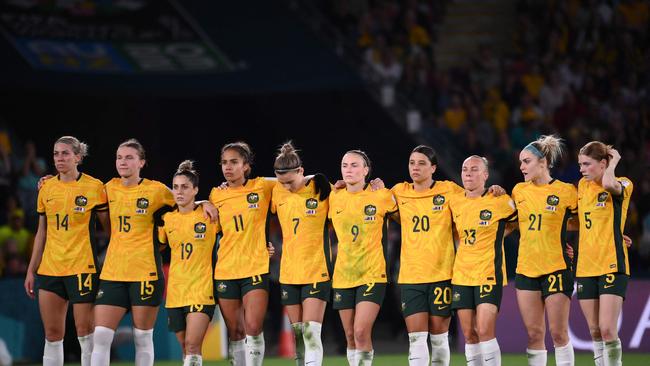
point(311, 205)
point(602, 198)
point(337, 297)
point(142, 204)
point(285, 295)
point(253, 200)
point(551, 202)
point(199, 230)
point(80, 202)
point(370, 211)
point(221, 287)
point(438, 201)
point(485, 216)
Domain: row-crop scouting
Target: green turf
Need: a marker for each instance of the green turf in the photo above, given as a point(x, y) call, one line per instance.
point(582, 359)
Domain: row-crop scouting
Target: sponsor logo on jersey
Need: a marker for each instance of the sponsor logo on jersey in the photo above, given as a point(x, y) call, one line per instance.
point(438, 202)
point(142, 204)
point(253, 200)
point(199, 230)
point(370, 211)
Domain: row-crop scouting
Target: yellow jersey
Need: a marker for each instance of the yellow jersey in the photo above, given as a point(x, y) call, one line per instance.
point(132, 253)
point(69, 208)
point(243, 214)
point(191, 239)
point(428, 251)
point(360, 223)
point(481, 224)
point(602, 219)
point(543, 213)
point(306, 254)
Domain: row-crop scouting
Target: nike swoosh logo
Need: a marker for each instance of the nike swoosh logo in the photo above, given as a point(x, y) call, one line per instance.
point(338, 212)
point(367, 294)
point(281, 204)
point(313, 292)
point(146, 298)
point(111, 201)
point(84, 293)
point(171, 231)
point(488, 359)
point(256, 283)
point(405, 202)
point(518, 202)
point(442, 307)
point(49, 199)
point(608, 286)
point(484, 295)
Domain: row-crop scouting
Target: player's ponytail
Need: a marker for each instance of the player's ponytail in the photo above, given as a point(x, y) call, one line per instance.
point(287, 160)
point(549, 147)
point(186, 168)
point(78, 148)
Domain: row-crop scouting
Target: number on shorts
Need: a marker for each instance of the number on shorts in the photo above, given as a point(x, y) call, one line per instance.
point(87, 283)
point(443, 295)
point(553, 279)
point(146, 288)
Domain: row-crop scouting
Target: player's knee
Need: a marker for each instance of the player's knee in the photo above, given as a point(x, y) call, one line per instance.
point(349, 337)
point(83, 329)
point(54, 333)
point(361, 335)
point(253, 327)
point(535, 334)
point(485, 332)
point(560, 336)
point(471, 335)
point(608, 333)
point(595, 332)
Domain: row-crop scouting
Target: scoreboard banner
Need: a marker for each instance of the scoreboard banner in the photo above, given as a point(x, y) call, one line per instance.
point(120, 37)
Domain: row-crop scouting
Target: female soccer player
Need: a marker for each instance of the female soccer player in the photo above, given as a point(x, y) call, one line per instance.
point(603, 269)
point(190, 296)
point(131, 277)
point(427, 233)
point(544, 206)
point(479, 268)
point(64, 255)
point(241, 272)
point(359, 217)
point(301, 204)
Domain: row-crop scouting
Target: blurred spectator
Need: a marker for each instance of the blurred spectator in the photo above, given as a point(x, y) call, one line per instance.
point(15, 241)
point(31, 168)
point(455, 116)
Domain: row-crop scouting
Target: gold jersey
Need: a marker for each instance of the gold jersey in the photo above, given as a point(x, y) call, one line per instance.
point(133, 251)
point(243, 214)
point(191, 239)
point(359, 220)
point(543, 214)
point(305, 245)
point(481, 223)
point(69, 208)
point(428, 251)
point(602, 219)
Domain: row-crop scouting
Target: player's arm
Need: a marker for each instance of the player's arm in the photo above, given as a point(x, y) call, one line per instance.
point(573, 224)
point(105, 220)
point(37, 255)
point(610, 183)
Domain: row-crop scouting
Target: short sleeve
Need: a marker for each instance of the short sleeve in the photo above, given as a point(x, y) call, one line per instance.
point(572, 203)
point(269, 184)
point(389, 202)
point(162, 235)
point(213, 196)
point(508, 207)
point(627, 186)
point(166, 196)
point(102, 200)
point(40, 205)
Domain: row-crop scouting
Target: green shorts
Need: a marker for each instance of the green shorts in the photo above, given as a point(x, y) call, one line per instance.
point(177, 316)
point(237, 288)
point(469, 297)
point(608, 284)
point(432, 298)
point(127, 294)
point(348, 298)
point(559, 282)
point(295, 294)
point(77, 289)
